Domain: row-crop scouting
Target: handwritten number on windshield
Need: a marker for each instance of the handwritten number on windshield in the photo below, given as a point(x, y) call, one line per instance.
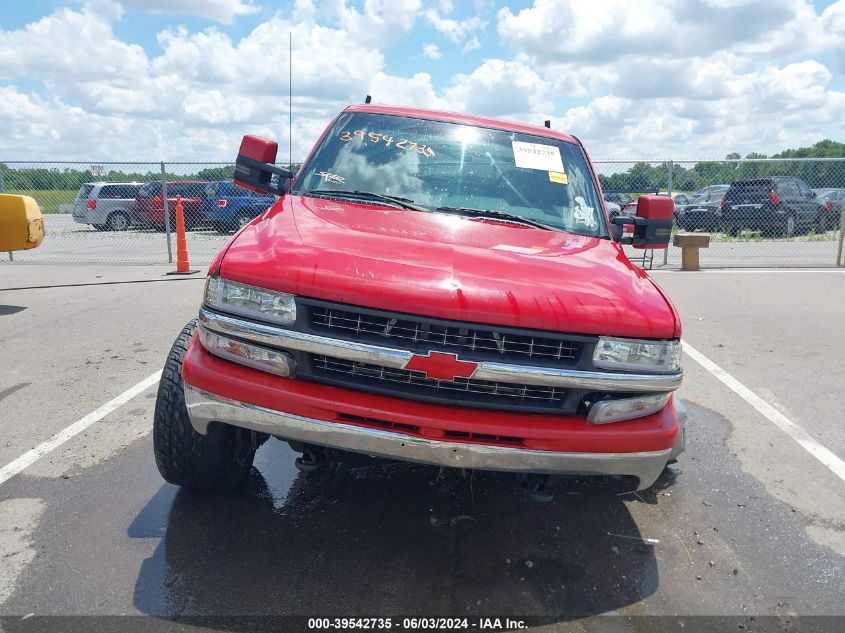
point(377, 137)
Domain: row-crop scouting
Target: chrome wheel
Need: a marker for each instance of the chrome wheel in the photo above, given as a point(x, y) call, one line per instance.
point(118, 222)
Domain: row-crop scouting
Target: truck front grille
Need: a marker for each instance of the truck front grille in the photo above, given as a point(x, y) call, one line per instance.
point(423, 334)
point(414, 384)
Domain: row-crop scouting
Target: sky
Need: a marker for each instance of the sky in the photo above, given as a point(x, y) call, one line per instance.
point(124, 80)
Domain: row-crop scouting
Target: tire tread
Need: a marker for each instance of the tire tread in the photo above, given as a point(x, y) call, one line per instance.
point(183, 456)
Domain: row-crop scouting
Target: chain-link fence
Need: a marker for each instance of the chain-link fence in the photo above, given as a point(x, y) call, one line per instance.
point(758, 212)
point(761, 212)
point(126, 212)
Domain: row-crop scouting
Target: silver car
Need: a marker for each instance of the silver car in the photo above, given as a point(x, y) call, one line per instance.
point(106, 205)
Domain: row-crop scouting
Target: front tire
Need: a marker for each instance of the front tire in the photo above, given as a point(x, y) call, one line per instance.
point(220, 460)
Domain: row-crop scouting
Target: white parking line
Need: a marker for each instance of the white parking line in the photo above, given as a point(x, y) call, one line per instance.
point(30, 457)
point(797, 433)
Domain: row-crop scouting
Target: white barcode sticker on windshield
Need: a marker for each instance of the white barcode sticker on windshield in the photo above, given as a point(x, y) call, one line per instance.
point(537, 156)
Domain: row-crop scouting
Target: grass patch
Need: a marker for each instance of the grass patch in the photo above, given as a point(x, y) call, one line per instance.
point(745, 235)
point(748, 235)
point(48, 199)
point(812, 236)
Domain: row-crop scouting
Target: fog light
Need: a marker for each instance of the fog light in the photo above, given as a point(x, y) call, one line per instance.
point(261, 358)
point(608, 411)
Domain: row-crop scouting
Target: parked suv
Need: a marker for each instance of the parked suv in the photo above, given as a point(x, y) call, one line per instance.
point(228, 206)
point(149, 209)
point(780, 205)
point(430, 287)
point(106, 205)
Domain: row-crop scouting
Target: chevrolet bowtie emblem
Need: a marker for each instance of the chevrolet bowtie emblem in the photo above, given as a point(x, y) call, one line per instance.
point(441, 366)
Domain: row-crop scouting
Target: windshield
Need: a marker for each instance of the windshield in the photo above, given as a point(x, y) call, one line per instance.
point(450, 166)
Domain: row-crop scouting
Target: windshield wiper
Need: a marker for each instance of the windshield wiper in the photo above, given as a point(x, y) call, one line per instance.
point(404, 203)
point(497, 215)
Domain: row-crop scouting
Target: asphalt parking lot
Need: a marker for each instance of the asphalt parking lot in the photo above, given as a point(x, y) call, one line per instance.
point(749, 524)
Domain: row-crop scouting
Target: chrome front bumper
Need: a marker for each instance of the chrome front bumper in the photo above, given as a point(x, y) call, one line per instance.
point(205, 407)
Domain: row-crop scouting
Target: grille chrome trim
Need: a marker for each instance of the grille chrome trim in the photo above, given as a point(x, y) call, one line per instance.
point(512, 393)
point(278, 337)
point(301, 341)
point(572, 379)
point(462, 338)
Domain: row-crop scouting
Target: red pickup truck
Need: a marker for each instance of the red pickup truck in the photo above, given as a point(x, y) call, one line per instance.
point(430, 287)
point(149, 208)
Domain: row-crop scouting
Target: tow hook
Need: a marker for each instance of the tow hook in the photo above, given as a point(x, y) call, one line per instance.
point(537, 487)
point(310, 461)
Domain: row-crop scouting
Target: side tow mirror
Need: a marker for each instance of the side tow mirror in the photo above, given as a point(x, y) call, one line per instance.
point(655, 215)
point(21, 223)
point(255, 168)
point(652, 225)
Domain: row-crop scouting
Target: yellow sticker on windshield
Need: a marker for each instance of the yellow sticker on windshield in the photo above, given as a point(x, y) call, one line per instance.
point(558, 177)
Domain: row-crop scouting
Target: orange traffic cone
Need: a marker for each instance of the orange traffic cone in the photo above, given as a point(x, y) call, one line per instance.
point(182, 265)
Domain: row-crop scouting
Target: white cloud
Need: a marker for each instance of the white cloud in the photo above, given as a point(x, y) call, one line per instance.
point(432, 51)
point(413, 91)
point(765, 110)
point(381, 21)
point(71, 46)
point(683, 77)
point(215, 107)
point(602, 31)
point(833, 28)
point(500, 88)
point(456, 31)
point(472, 44)
point(194, 100)
point(53, 130)
point(326, 64)
point(223, 11)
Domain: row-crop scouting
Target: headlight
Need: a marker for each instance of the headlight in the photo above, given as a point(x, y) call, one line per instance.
point(607, 411)
point(629, 354)
point(250, 301)
point(269, 360)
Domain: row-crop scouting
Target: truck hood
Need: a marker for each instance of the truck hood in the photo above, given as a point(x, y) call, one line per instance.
point(450, 267)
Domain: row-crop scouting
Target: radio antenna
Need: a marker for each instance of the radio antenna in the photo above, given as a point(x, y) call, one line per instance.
point(290, 100)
